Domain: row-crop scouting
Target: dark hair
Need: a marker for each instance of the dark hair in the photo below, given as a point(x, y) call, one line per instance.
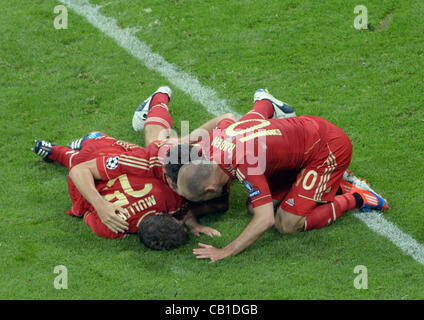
point(161, 232)
point(177, 156)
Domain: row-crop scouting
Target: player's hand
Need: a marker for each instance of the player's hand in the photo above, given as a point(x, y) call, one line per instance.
point(107, 213)
point(199, 229)
point(209, 252)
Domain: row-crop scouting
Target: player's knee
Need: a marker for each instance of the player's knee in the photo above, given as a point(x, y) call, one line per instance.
point(286, 224)
point(230, 116)
point(153, 132)
point(285, 228)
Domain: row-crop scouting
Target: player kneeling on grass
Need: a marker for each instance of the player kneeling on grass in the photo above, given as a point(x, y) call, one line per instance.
point(298, 161)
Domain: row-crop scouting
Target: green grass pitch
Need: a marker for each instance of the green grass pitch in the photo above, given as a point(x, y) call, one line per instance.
point(60, 84)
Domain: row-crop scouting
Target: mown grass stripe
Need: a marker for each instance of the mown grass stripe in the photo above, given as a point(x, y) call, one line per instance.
point(153, 61)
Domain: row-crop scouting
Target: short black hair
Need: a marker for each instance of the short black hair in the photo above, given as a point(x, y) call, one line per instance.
point(161, 232)
point(179, 155)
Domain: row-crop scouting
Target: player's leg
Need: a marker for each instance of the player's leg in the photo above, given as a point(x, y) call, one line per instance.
point(286, 222)
point(312, 202)
point(153, 132)
point(50, 152)
point(313, 196)
point(324, 214)
point(67, 156)
point(79, 143)
point(159, 120)
point(361, 197)
point(267, 106)
point(92, 219)
point(262, 109)
point(153, 116)
point(313, 215)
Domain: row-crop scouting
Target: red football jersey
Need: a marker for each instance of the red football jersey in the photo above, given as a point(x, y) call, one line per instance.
point(256, 150)
point(134, 182)
point(140, 196)
point(134, 160)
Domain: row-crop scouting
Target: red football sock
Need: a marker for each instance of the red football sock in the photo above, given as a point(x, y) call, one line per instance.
point(262, 109)
point(326, 214)
point(63, 155)
point(159, 113)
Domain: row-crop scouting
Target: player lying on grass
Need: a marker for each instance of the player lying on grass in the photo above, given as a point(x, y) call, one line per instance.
point(138, 200)
point(297, 161)
point(100, 176)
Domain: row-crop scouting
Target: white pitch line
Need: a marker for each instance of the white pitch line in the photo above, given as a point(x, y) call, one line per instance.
point(405, 242)
point(209, 99)
point(153, 61)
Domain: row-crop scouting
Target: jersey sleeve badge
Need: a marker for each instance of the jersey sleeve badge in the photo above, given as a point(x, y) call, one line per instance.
point(249, 187)
point(112, 163)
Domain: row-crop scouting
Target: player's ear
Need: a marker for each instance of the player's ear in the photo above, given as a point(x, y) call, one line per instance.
point(211, 188)
point(171, 184)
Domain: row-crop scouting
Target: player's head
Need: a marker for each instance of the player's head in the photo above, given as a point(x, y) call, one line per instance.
point(161, 232)
point(199, 181)
point(178, 156)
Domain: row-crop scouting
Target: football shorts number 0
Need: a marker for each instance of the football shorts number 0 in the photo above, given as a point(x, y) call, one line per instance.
point(313, 180)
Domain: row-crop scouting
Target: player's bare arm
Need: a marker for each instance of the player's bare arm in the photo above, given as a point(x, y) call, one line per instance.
point(263, 219)
point(199, 133)
point(156, 132)
point(83, 176)
point(213, 181)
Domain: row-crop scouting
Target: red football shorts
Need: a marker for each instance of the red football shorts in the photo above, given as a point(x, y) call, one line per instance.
point(99, 228)
point(318, 182)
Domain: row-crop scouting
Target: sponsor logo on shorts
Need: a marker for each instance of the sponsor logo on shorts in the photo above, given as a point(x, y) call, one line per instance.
point(112, 163)
point(290, 202)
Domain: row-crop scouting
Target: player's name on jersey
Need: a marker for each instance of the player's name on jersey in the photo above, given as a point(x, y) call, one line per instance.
point(139, 206)
point(223, 145)
point(126, 145)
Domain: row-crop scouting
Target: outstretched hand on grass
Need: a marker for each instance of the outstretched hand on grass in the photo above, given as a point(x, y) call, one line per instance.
point(207, 251)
